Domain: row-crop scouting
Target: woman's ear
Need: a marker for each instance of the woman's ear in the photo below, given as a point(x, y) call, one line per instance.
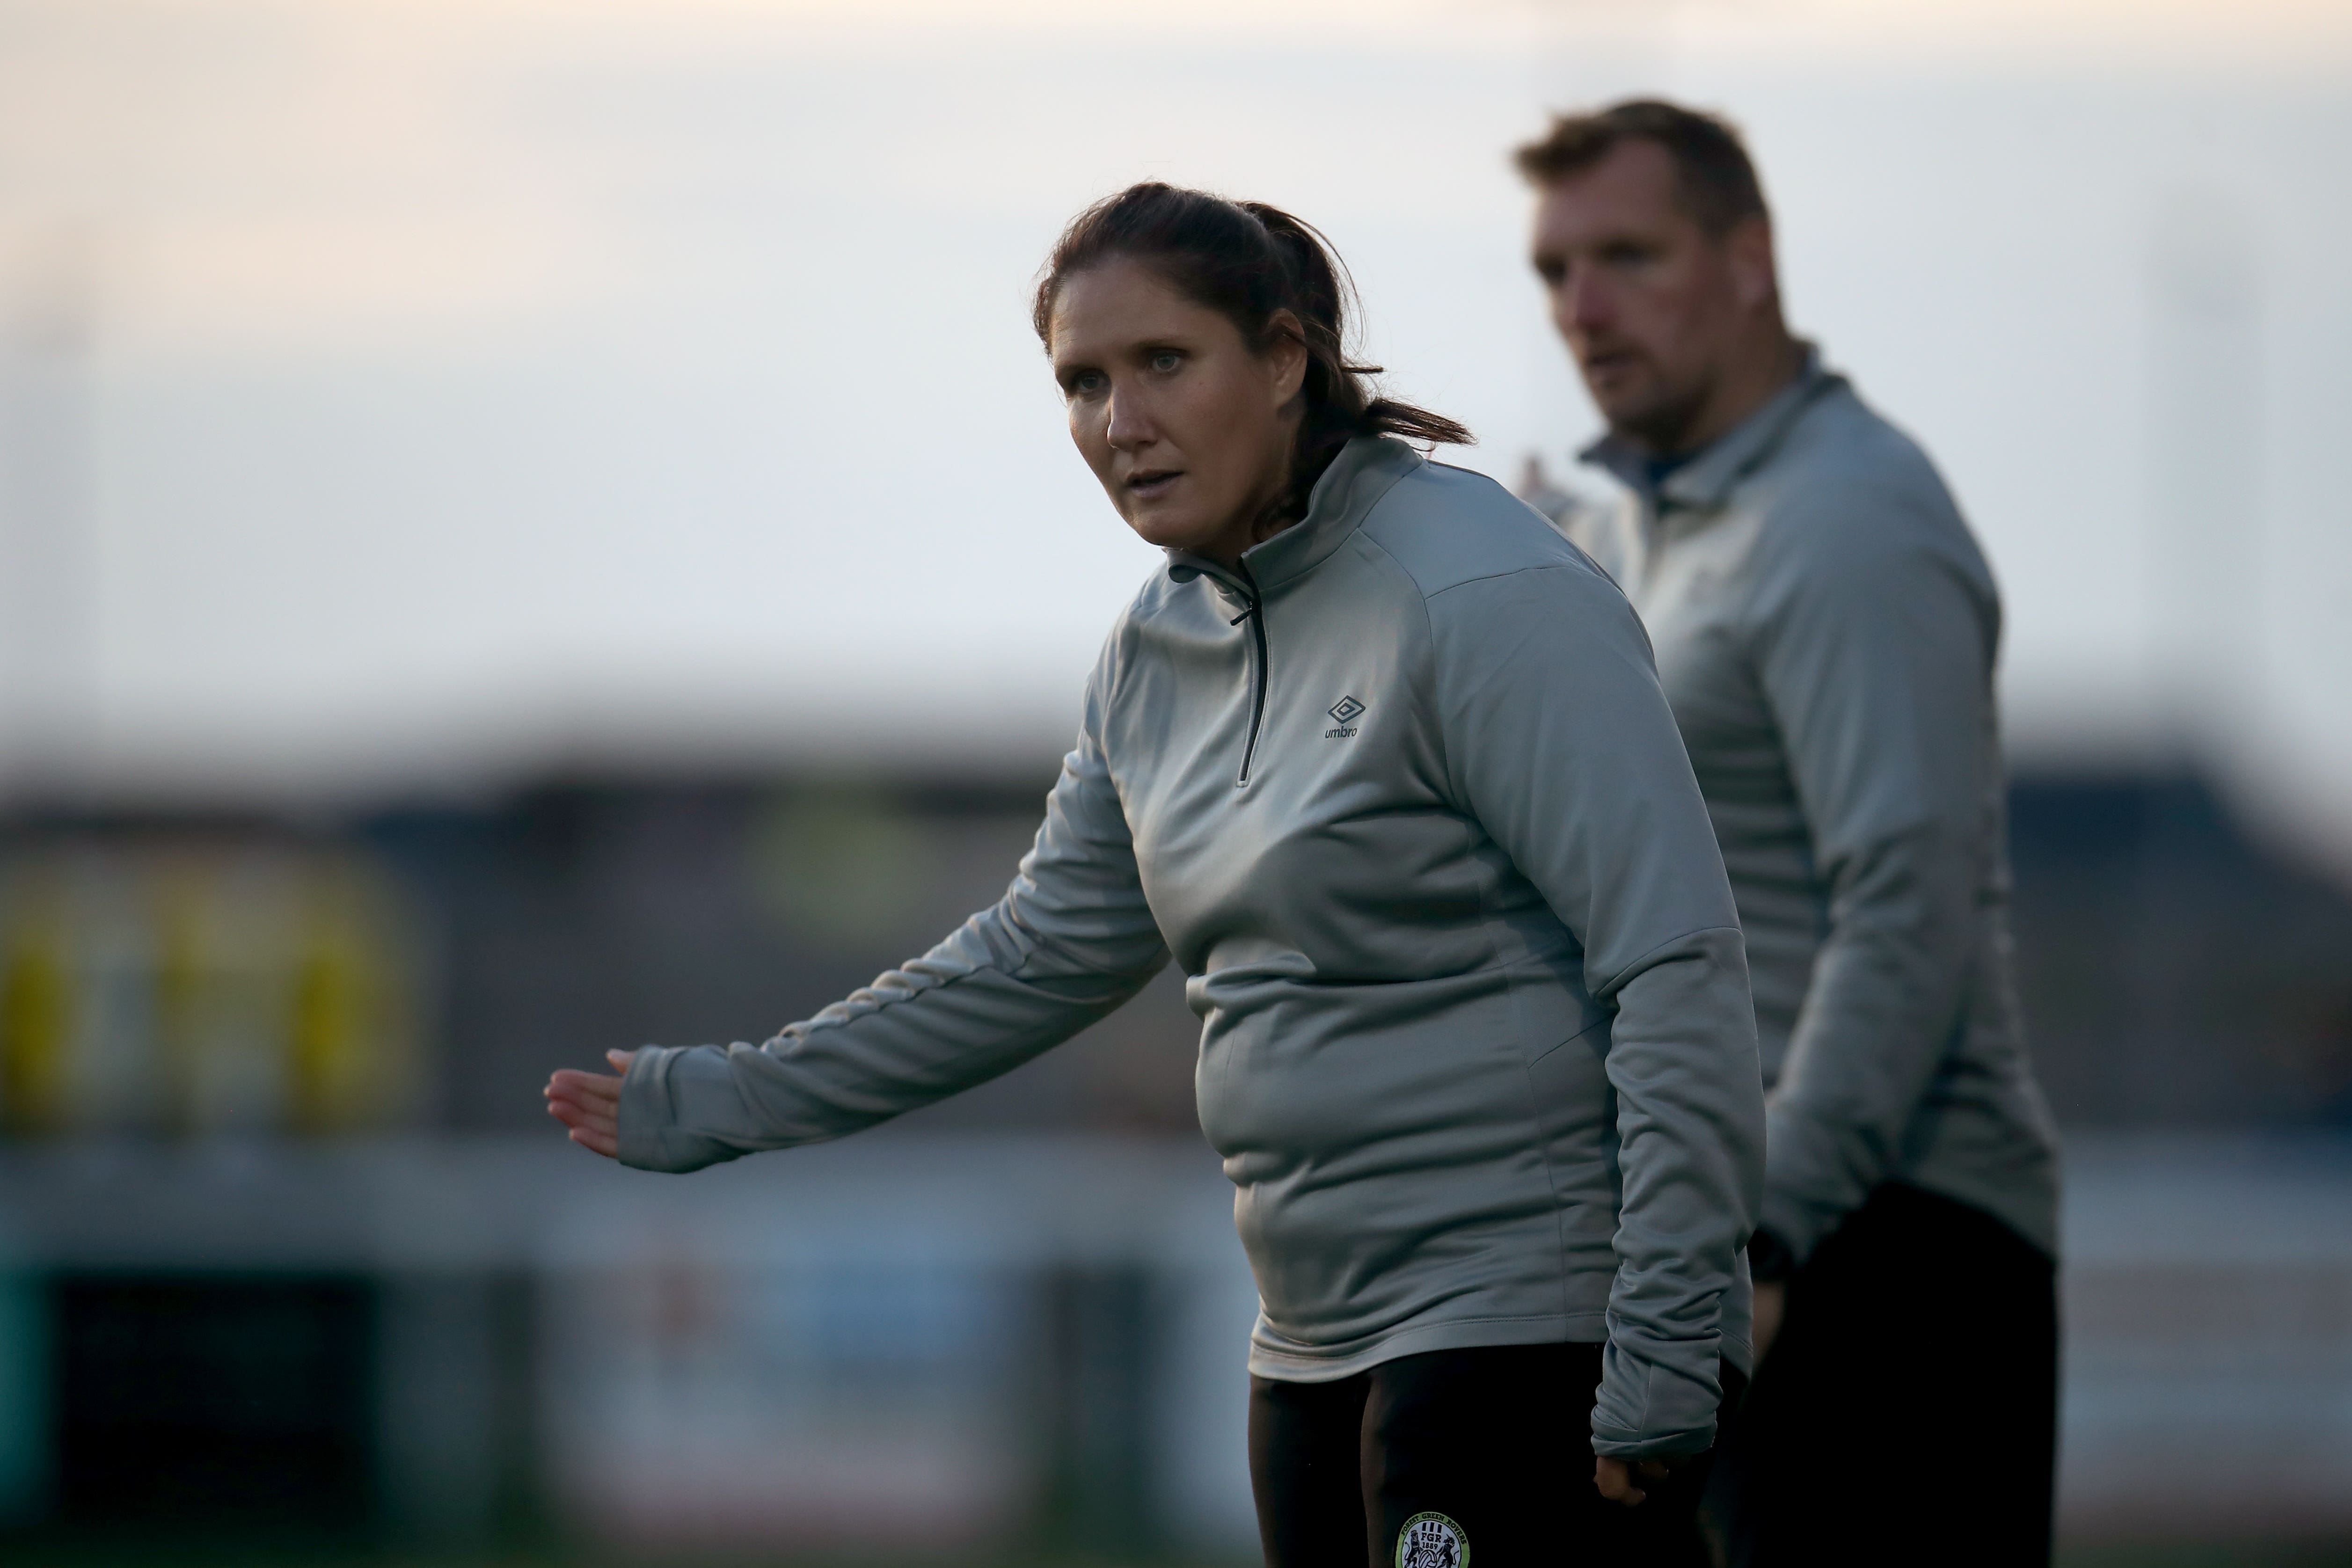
point(1285, 354)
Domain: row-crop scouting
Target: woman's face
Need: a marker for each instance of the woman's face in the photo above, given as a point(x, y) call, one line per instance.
point(1190, 430)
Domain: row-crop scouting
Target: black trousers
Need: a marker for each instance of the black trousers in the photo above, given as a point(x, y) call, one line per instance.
point(1433, 1460)
point(1908, 1411)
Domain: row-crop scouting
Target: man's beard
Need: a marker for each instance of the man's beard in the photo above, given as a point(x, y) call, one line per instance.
point(1660, 424)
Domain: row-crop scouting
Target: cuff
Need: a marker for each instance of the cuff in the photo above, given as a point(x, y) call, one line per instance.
point(1652, 1405)
point(651, 1139)
point(1666, 1446)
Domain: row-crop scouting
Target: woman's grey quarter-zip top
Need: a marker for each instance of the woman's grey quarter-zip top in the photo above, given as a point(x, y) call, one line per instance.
point(1477, 1044)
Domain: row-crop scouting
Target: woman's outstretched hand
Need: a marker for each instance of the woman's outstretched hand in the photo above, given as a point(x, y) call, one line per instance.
point(590, 1104)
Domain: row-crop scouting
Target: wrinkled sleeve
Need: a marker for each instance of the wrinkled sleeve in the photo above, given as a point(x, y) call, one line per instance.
point(1561, 744)
point(1071, 939)
point(1875, 648)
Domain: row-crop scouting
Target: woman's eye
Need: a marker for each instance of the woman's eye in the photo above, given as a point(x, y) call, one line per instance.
point(1166, 359)
point(1083, 384)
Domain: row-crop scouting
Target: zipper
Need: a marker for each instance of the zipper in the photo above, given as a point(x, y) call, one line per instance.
point(1256, 616)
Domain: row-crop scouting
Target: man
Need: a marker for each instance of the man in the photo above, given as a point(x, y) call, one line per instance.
point(1826, 629)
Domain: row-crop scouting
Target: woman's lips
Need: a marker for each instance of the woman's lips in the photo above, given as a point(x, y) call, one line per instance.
point(1153, 483)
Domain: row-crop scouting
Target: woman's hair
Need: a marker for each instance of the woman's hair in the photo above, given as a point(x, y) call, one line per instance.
point(1248, 262)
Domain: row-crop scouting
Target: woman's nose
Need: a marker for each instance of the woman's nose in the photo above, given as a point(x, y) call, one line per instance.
point(1127, 428)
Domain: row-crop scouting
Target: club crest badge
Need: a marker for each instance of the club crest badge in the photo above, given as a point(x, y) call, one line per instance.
point(1432, 1540)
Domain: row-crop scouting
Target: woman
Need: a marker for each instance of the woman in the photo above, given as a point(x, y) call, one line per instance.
point(1384, 765)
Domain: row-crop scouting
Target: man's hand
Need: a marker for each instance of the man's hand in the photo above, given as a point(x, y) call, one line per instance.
point(1771, 1303)
point(590, 1104)
point(1620, 1482)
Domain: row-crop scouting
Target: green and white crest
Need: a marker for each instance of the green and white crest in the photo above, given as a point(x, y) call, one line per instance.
point(1432, 1540)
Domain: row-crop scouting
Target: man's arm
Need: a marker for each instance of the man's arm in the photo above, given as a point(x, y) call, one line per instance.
point(1874, 646)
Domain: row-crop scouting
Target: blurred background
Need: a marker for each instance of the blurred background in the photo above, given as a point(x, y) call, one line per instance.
point(534, 527)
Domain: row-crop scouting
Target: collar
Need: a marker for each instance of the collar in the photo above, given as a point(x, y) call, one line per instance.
point(1355, 481)
point(1706, 478)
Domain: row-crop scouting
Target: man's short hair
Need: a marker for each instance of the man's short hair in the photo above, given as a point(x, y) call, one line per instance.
point(1714, 179)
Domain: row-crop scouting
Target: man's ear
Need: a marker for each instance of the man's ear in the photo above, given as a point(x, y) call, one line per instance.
point(1285, 351)
point(1755, 275)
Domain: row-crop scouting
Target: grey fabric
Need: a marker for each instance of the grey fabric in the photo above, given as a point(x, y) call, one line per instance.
point(1477, 1049)
point(1826, 631)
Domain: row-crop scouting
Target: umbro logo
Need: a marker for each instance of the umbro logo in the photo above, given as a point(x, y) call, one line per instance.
point(1344, 710)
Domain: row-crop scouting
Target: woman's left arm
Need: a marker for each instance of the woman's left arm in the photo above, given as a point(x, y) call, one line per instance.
point(1560, 740)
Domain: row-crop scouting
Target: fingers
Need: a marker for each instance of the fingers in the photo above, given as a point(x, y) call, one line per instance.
point(590, 1089)
point(606, 1144)
point(589, 1104)
point(1614, 1480)
point(620, 1060)
point(597, 1130)
point(574, 1113)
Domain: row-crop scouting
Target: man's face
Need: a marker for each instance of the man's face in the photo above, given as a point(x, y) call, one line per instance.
point(1652, 307)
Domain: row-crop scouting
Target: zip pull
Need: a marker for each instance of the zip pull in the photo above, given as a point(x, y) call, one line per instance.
point(1256, 616)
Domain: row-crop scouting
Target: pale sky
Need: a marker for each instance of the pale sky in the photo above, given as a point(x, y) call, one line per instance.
point(477, 385)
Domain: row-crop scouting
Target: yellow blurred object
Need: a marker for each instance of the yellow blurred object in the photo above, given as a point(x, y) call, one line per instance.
point(36, 1016)
point(179, 920)
point(238, 986)
point(348, 1054)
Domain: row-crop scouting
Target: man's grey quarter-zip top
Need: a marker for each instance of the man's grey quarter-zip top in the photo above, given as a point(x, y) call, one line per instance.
point(1827, 631)
point(1400, 795)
